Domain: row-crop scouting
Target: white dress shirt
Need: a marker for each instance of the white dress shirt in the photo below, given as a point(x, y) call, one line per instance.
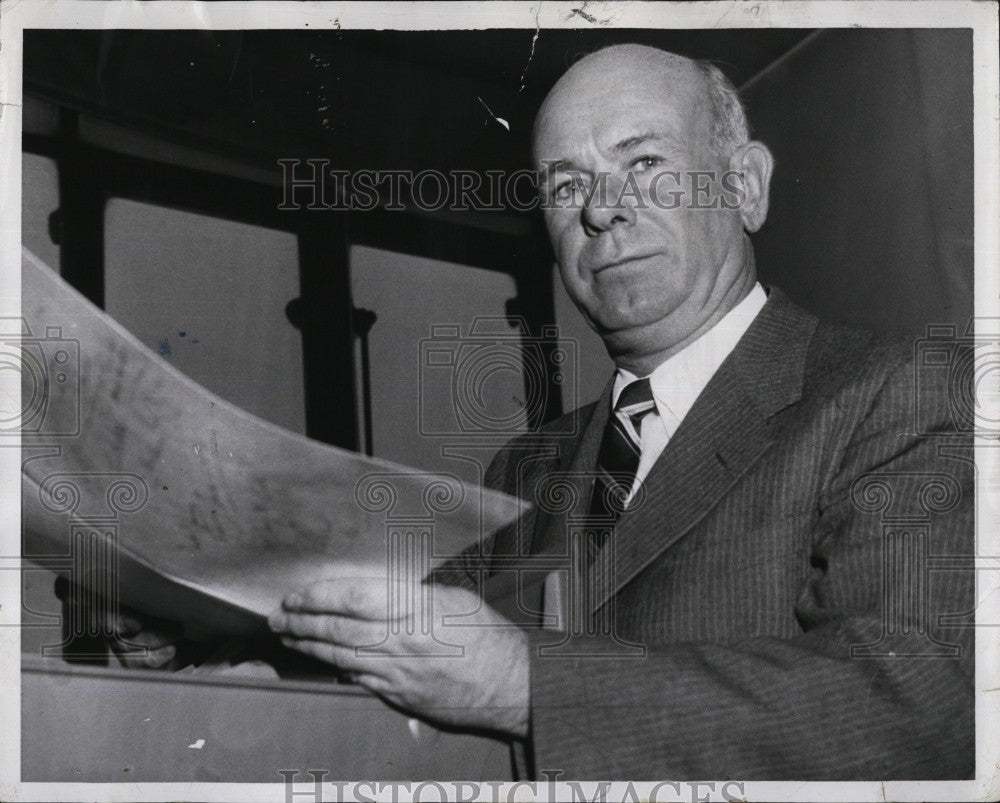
point(677, 382)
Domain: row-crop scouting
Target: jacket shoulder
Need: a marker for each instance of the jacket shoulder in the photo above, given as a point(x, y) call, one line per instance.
point(837, 349)
point(837, 354)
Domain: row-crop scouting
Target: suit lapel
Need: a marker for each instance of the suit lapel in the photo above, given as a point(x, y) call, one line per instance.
point(727, 430)
point(578, 464)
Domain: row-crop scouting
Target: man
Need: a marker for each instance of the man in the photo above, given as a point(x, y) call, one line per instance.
point(751, 632)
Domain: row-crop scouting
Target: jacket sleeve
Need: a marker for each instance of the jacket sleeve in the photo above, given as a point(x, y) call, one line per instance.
point(821, 705)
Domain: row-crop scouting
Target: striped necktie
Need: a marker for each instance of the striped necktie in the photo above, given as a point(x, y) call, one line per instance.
point(618, 458)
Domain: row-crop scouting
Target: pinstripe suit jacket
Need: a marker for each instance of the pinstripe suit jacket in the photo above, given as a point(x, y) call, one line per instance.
point(775, 576)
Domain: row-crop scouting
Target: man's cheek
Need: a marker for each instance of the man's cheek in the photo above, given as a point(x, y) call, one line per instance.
point(563, 223)
point(567, 250)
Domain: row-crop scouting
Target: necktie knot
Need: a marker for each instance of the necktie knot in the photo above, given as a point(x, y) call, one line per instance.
point(636, 399)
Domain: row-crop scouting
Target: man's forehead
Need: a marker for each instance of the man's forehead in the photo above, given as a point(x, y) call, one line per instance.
point(565, 132)
point(617, 93)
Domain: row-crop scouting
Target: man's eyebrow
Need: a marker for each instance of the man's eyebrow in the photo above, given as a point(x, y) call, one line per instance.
point(638, 139)
point(555, 165)
point(550, 166)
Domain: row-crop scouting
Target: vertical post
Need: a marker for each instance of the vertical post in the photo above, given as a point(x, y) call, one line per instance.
point(535, 302)
point(81, 213)
point(327, 330)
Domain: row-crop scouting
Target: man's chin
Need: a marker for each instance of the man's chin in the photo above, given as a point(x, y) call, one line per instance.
point(625, 321)
point(624, 335)
point(632, 335)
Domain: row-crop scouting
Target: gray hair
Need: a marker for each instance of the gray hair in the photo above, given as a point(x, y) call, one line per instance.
point(729, 126)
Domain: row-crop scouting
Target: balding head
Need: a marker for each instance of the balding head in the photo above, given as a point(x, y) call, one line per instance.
point(727, 125)
point(625, 130)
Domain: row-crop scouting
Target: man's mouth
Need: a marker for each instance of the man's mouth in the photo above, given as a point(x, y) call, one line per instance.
point(621, 261)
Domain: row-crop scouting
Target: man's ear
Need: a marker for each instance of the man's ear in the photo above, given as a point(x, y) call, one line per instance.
point(754, 163)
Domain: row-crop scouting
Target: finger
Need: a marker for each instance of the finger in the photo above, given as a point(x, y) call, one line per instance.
point(374, 683)
point(150, 639)
point(356, 596)
point(340, 630)
point(147, 659)
point(346, 658)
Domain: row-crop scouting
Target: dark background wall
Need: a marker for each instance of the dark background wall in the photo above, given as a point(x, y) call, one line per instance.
point(872, 206)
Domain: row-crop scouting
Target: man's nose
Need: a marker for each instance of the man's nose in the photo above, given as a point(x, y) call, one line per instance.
point(606, 207)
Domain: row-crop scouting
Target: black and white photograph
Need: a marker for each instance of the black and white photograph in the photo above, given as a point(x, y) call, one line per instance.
point(499, 401)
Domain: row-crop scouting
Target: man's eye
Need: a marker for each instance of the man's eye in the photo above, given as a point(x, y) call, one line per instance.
point(645, 163)
point(566, 188)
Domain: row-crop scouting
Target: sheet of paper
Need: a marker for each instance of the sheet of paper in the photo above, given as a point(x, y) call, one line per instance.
point(201, 497)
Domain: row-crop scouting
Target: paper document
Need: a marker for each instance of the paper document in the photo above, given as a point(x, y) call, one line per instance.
point(216, 513)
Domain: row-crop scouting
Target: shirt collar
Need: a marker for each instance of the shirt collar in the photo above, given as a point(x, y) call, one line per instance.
point(680, 379)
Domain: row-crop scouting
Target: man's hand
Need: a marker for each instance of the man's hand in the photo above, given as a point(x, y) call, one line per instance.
point(143, 642)
point(486, 686)
point(135, 639)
